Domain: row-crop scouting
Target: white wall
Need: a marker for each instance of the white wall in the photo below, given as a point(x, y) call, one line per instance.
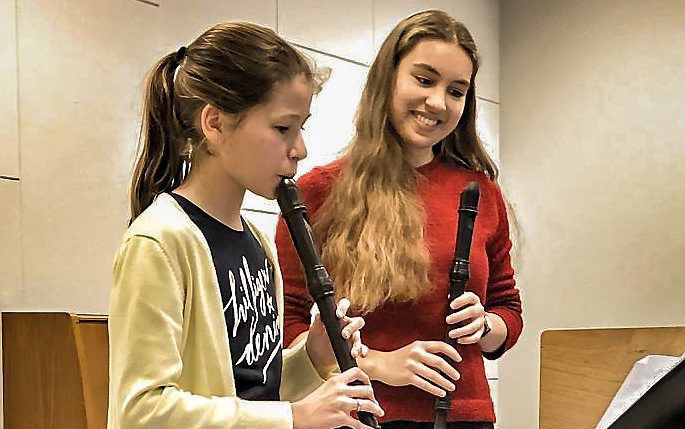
point(593, 155)
point(69, 120)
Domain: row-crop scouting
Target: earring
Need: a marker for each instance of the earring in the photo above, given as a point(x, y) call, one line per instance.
point(187, 150)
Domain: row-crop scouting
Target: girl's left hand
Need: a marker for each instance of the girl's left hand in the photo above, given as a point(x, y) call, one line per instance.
point(470, 318)
point(319, 346)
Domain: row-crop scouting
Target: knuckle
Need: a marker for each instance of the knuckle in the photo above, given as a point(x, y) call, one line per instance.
point(433, 360)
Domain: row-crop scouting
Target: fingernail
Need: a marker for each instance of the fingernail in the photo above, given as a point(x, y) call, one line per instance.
point(346, 335)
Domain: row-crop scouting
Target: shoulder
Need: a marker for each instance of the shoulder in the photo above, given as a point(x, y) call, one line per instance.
point(316, 184)
point(165, 222)
point(322, 175)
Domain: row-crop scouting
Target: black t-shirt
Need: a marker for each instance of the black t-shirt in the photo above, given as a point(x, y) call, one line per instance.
point(248, 295)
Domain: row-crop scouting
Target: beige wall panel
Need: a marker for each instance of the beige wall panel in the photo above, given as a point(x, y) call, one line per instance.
point(184, 20)
point(339, 28)
point(9, 138)
point(491, 369)
point(494, 390)
point(80, 90)
point(487, 125)
point(10, 242)
point(592, 152)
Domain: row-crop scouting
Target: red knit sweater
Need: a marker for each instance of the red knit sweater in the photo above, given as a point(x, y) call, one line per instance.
point(393, 326)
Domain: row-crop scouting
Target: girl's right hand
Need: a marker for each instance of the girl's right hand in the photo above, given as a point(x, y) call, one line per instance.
point(416, 364)
point(330, 405)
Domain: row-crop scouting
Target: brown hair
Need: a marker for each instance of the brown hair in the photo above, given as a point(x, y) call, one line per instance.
point(370, 228)
point(233, 66)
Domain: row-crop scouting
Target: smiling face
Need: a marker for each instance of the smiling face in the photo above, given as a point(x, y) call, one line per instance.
point(267, 143)
point(429, 95)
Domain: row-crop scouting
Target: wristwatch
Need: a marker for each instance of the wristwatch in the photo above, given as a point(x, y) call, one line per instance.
point(486, 326)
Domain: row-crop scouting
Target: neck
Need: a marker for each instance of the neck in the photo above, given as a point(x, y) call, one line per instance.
point(417, 157)
point(215, 193)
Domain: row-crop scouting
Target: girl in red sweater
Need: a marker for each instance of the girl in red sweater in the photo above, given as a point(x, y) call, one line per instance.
point(385, 218)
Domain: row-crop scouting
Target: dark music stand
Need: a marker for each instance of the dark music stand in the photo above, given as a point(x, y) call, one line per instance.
point(661, 407)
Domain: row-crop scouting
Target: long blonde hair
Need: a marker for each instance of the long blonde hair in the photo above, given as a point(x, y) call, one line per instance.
point(370, 228)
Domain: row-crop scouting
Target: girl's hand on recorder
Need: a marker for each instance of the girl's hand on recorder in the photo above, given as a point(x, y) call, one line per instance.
point(319, 346)
point(330, 405)
point(469, 318)
point(418, 364)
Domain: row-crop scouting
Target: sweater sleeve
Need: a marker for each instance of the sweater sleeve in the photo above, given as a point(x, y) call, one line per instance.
point(145, 330)
point(299, 376)
point(502, 296)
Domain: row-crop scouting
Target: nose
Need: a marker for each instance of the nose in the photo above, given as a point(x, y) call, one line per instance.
point(436, 100)
point(299, 150)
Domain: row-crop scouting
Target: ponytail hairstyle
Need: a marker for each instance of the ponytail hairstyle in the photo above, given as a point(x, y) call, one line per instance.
point(233, 66)
point(370, 227)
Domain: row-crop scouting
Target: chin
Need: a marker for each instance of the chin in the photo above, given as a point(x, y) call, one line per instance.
point(269, 195)
point(264, 192)
point(422, 142)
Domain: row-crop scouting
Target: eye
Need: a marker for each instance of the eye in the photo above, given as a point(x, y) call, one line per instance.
point(282, 129)
point(423, 80)
point(456, 93)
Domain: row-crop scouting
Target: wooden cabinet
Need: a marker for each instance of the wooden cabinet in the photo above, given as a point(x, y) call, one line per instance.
point(55, 370)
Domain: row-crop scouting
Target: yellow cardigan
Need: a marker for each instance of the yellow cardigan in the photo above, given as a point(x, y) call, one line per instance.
point(170, 362)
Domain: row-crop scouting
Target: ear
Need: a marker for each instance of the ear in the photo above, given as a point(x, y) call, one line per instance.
point(214, 125)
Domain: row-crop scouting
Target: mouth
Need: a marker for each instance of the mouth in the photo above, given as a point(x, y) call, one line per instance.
point(425, 120)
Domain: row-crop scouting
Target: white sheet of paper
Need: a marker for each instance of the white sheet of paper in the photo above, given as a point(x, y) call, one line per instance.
point(644, 374)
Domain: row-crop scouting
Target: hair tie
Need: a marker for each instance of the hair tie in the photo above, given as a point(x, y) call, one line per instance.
point(181, 54)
